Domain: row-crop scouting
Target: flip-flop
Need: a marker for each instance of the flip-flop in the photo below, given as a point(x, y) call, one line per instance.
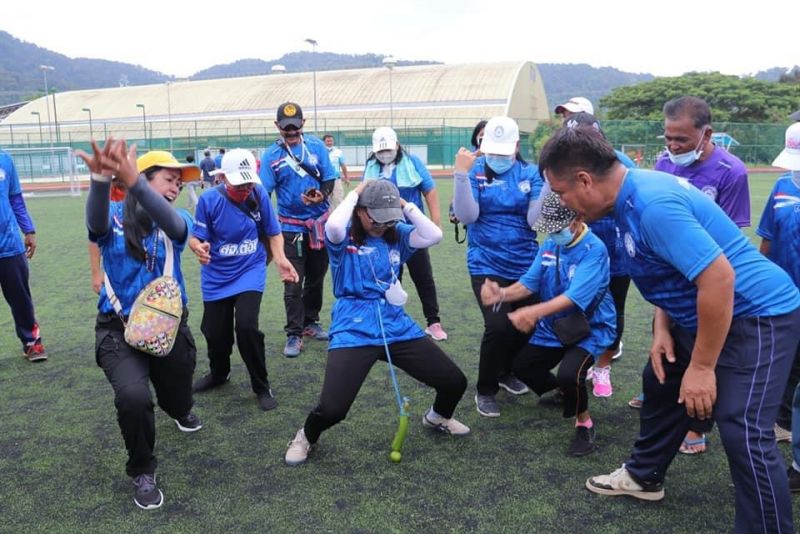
point(688, 443)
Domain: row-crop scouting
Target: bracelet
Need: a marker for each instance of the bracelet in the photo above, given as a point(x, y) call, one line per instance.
point(100, 178)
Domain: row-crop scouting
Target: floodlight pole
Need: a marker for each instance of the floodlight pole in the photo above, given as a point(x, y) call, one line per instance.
point(44, 69)
point(169, 114)
point(314, 44)
point(144, 124)
point(389, 63)
point(39, 116)
point(91, 131)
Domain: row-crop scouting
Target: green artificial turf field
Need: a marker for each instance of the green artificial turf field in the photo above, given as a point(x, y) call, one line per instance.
point(62, 456)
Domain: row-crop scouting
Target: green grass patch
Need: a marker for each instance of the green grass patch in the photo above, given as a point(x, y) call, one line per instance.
point(62, 456)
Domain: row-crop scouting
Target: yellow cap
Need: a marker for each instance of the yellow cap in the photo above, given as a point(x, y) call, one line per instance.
point(161, 158)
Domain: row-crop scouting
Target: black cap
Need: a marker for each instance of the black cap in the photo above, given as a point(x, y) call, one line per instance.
point(795, 116)
point(290, 114)
point(382, 200)
point(583, 119)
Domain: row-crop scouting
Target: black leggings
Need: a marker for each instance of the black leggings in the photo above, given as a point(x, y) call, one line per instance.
point(534, 362)
point(618, 287)
point(347, 369)
point(501, 341)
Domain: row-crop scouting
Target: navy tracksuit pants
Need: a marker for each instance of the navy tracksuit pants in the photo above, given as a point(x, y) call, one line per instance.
point(17, 292)
point(751, 373)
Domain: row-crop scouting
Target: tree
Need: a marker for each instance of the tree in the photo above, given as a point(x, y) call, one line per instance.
point(731, 98)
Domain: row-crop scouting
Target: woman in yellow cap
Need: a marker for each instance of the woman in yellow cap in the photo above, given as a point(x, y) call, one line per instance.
point(135, 237)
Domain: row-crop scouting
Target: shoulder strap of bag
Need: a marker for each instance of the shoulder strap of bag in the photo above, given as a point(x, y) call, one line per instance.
point(597, 300)
point(169, 264)
point(224, 193)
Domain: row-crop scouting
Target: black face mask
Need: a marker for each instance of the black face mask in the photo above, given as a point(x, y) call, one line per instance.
point(291, 133)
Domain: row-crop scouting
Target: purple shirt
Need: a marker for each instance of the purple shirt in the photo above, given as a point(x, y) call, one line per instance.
point(722, 176)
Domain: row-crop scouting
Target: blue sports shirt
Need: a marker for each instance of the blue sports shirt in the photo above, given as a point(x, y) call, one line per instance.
point(127, 275)
point(361, 275)
point(780, 224)
point(583, 277)
point(501, 243)
point(11, 216)
point(281, 173)
point(414, 194)
point(238, 258)
point(672, 232)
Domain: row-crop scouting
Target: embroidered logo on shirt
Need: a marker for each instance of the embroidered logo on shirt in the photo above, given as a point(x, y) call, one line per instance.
point(710, 191)
point(245, 248)
point(630, 246)
point(525, 186)
point(571, 271)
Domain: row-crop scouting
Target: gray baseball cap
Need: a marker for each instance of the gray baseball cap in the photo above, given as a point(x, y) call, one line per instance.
point(382, 200)
point(554, 216)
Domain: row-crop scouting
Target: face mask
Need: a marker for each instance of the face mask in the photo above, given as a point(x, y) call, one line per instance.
point(237, 195)
point(386, 156)
point(563, 237)
point(499, 164)
point(686, 159)
point(396, 294)
point(796, 178)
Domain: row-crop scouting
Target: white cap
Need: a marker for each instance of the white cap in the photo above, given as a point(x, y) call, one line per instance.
point(384, 138)
point(239, 167)
point(500, 136)
point(576, 104)
point(789, 158)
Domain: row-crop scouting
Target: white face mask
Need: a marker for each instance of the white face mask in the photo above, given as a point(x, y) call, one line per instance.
point(687, 158)
point(386, 156)
point(396, 294)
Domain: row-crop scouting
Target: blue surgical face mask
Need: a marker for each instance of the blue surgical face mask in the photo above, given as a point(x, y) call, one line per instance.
point(687, 158)
point(562, 237)
point(499, 164)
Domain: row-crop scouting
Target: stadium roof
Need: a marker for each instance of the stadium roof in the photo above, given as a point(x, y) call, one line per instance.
point(420, 95)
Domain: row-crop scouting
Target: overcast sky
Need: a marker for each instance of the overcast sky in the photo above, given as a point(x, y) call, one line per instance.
point(181, 38)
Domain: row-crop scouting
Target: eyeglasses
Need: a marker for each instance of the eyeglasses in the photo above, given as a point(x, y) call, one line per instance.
point(381, 226)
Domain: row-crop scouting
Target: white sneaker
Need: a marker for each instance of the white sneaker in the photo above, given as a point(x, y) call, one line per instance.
point(445, 426)
point(297, 453)
point(781, 434)
point(618, 353)
point(619, 482)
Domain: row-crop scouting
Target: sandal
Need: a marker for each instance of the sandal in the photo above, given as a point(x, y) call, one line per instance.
point(689, 445)
point(637, 401)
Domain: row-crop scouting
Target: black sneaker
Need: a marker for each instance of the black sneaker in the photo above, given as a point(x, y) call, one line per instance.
point(208, 382)
point(583, 442)
point(513, 385)
point(189, 423)
point(267, 401)
point(487, 405)
point(794, 480)
point(146, 494)
point(552, 398)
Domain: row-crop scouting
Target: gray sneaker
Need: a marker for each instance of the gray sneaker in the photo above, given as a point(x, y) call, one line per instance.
point(146, 494)
point(513, 385)
point(487, 405)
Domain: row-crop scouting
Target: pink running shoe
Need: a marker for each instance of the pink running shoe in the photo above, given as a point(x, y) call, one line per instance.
point(602, 382)
point(436, 332)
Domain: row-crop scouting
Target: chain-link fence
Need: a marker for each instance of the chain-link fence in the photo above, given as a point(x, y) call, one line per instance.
point(755, 144)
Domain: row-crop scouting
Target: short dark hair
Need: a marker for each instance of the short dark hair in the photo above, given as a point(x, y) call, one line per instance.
point(579, 148)
point(695, 108)
point(221, 150)
point(324, 137)
point(207, 153)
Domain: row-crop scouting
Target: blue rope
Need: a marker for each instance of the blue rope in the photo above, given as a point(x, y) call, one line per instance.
point(400, 399)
